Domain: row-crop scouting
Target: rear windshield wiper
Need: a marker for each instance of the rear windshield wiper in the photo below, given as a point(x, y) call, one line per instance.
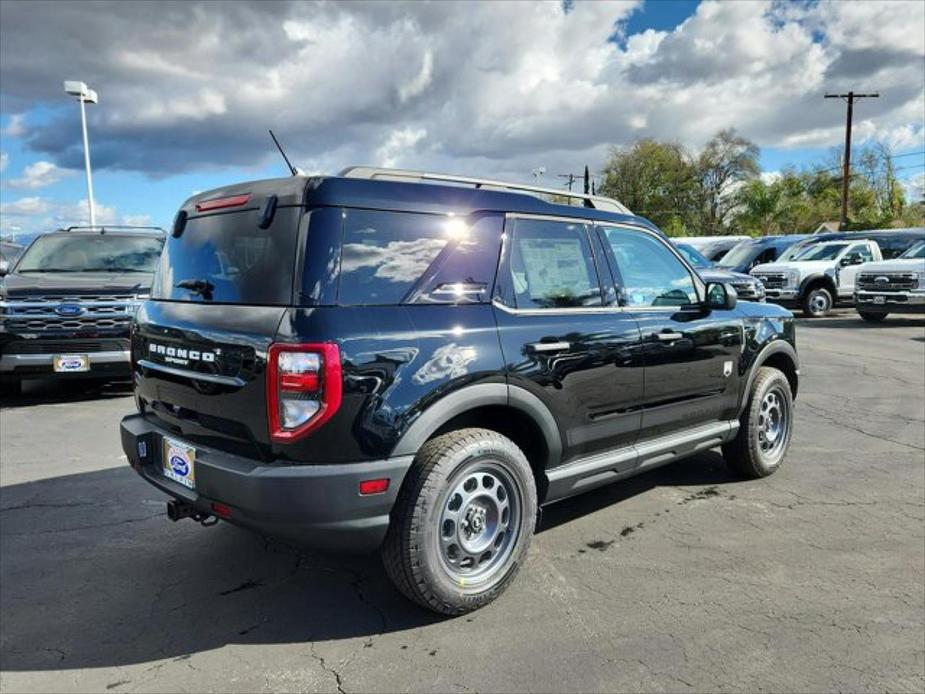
point(202, 287)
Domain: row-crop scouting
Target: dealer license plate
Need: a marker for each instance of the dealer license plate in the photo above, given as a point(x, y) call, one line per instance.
point(179, 463)
point(71, 363)
point(879, 299)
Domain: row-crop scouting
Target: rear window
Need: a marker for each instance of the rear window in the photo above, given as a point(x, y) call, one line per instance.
point(227, 259)
point(390, 258)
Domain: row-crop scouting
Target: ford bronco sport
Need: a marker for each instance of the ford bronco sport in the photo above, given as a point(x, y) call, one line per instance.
point(418, 363)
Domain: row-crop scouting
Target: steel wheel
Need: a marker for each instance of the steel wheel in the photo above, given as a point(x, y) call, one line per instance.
point(479, 523)
point(774, 424)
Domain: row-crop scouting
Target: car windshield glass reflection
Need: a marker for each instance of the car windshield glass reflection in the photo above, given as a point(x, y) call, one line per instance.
point(83, 253)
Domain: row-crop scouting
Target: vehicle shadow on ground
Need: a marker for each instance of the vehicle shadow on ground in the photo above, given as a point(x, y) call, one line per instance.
point(94, 575)
point(47, 391)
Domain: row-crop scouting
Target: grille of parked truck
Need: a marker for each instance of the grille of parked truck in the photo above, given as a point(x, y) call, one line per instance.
point(892, 286)
point(416, 363)
point(66, 306)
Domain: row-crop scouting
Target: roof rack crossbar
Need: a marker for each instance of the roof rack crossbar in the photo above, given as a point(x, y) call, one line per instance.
point(103, 228)
point(597, 201)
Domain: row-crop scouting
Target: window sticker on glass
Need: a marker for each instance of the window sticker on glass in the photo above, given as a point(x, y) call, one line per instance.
point(554, 267)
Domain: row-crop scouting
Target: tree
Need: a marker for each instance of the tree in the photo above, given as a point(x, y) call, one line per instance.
point(728, 161)
point(654, 179)
point(760, 206)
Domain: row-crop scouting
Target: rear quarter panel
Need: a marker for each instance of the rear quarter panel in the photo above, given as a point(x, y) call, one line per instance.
point(397, 361)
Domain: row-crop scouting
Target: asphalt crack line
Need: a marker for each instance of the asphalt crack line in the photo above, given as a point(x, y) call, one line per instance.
point(324, 666)
point(831, 419)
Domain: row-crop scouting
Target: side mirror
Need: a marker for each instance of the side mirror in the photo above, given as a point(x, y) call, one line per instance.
point(4, 268)
point(851, 259)
point(721, 296)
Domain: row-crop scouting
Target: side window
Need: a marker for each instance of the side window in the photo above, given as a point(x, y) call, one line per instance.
point(648, 272)
point(769, 255)
point(865, 253)
point(399, 257)
point(551, 265)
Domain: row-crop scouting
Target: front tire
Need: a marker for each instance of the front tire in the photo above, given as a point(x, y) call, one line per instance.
point(871, 317)
point(463, 521)
point(817, 302)
point(765, 428)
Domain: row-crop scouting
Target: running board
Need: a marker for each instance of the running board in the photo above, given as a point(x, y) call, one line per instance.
point(603, 468)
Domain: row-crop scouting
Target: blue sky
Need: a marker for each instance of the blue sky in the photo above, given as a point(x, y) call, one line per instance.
point(494, 89)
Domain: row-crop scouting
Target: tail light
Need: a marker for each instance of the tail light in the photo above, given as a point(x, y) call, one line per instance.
point(303, 388)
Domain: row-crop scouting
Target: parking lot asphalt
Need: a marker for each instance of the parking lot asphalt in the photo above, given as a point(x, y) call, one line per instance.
point(685, 578)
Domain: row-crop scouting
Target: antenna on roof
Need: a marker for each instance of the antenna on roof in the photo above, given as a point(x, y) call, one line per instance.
point(292, 169)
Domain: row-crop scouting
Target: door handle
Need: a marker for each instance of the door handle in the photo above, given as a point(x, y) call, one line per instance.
point(548, 346)
point(668, 336)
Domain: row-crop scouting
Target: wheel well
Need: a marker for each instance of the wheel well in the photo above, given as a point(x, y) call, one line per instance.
point(518, 426)
point(824, 281)
point(782, 362)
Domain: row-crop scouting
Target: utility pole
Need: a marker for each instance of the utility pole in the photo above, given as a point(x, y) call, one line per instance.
point(571, 180)
point(846, 173)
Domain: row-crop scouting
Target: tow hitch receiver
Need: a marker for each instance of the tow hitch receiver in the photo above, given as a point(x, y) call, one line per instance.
point(177, 510)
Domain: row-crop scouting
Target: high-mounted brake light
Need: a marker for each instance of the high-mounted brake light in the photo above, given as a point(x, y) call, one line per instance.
point(220, 203)
point(303, 388)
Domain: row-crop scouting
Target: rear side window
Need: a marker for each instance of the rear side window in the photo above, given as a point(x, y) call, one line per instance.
point(551, 266)
point(393, 258)
point(227, 259)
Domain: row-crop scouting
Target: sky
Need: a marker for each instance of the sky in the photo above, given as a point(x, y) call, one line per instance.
point(496, 89)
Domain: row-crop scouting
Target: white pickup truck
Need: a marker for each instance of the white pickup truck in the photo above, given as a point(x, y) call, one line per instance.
point(892, 286)
point(818, 277)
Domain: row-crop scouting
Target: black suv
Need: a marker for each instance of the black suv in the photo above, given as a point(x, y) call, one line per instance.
point(67, 304)
point(419, 362)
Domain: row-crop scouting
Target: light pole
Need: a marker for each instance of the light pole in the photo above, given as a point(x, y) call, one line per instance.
point(85, 95)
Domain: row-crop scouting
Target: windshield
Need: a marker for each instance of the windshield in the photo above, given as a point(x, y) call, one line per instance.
point(821, 252)
point(740, 254)
point(693, 256)
point(96, 253)
point(917, 251)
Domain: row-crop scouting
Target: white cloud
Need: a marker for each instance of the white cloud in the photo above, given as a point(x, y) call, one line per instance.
point(398, 144)
point(38, 175)
point(25, 206)
point(16, 127)
point(490, 88)
point(4, 161)
point(37, 214)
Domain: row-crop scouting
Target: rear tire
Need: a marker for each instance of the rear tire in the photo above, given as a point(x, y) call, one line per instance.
point(872, 317)
point(765, 427)
point(817, 302)
point(463, 521)
point(12, 388)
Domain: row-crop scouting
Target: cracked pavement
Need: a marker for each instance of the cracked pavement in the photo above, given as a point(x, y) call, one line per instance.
point(682, 579)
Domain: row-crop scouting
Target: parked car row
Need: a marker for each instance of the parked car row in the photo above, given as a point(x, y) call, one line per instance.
point(878, 271)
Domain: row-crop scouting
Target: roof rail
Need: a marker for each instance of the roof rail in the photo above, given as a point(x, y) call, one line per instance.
point(596, 201)
point(103, 228)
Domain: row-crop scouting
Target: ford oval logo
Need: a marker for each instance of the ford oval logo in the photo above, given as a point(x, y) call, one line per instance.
point(882, 280)
point(180, 466)
point(69, 310)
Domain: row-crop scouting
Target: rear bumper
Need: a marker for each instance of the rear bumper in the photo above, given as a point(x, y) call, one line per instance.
point(314, 505)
